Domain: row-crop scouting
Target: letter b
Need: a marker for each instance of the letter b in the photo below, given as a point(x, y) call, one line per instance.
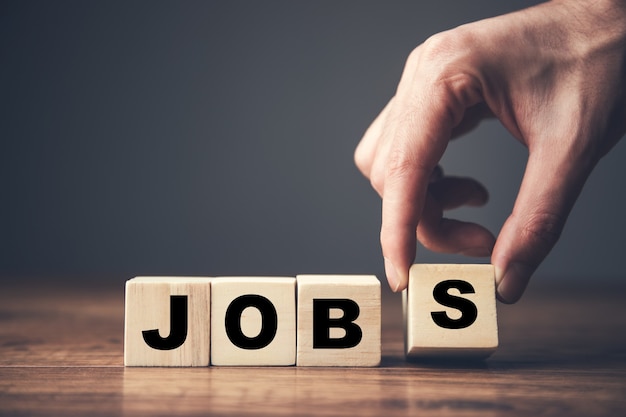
point(338, 320)
point(322, 323)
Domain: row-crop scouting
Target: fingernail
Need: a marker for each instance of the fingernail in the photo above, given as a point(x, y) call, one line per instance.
point(512, 282)
point(392, 275)
point(499, 274)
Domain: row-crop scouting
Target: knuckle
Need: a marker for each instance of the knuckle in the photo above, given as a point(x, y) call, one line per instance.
point(400, 165)
point(449, 43)
point(413, 59)
point(404, 162)
point(377, 180)
point(442, 49)
point(363, 160)
point(543, 228)
point(378, 185)
point(385, 237)
point(388, 239)
point(446, 64)
point(437, 46)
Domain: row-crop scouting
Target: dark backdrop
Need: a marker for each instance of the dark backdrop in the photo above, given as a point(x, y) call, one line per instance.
point(217, 137)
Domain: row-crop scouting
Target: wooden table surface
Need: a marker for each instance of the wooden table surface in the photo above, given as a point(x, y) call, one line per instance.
point(562, 353)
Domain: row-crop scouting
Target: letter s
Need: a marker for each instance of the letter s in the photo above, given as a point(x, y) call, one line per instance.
point(468, 309)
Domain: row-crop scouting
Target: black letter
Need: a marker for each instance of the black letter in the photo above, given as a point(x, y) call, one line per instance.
point(178, 326)
point(269, 322)
point(467, 308)
point(322, 324)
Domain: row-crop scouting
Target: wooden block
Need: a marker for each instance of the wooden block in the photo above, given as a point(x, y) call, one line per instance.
point(253, 321)
point(152, 305)
point(450, 311)
point(338, 320)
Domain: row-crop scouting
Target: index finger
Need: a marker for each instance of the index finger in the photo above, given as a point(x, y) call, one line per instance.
point(419, 140)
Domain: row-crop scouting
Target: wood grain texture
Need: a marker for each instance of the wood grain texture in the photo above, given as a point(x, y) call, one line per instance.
point(477, 337)
point(281, 293)
point(364, 292)
point(562, 353)
point(147, 308)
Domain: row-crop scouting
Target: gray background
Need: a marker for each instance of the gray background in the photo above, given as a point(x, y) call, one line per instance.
point(216, 138)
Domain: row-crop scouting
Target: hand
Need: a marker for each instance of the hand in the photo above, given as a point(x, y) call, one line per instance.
point(555, 76)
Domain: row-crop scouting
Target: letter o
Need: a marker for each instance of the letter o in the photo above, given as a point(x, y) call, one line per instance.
point(269, 321)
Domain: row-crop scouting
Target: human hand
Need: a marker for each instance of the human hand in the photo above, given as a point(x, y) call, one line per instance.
point(555, 76)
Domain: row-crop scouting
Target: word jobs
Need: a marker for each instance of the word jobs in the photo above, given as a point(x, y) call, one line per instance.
point(310, 320)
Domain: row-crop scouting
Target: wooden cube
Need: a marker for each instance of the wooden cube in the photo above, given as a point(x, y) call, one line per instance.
point(253, 321)
point(166, 321)
point(338, 320)
point(450, 311)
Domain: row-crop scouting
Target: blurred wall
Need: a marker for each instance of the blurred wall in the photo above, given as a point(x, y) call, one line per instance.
point(216, 137)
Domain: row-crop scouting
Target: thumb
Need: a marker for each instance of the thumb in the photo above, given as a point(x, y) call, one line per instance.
point(549, 189)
